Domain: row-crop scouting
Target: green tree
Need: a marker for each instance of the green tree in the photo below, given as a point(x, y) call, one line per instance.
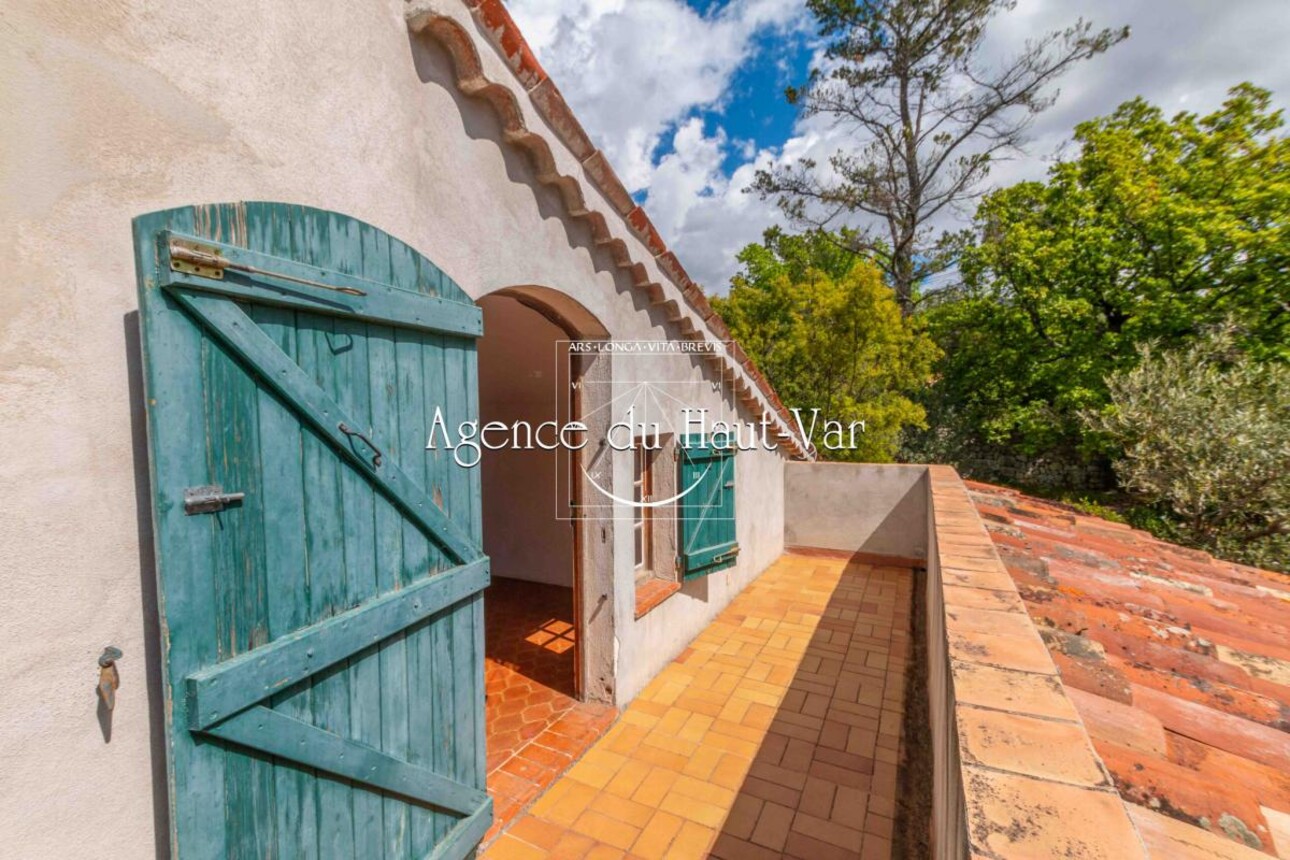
point(1155, 230)
point(905, 78)
point(1205, 433)
point(827, 332)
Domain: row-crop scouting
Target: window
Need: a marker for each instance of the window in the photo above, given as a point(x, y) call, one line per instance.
point(641, 490)
point(707, 508)
point(654, 477)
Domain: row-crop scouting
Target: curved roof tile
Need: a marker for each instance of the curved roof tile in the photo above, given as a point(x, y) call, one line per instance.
point(689, 309)
point(1179, 665)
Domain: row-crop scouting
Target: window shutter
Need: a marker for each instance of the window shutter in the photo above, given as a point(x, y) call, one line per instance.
point(707, 511)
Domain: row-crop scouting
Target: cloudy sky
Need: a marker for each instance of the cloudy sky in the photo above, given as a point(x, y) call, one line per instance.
point(686, 96)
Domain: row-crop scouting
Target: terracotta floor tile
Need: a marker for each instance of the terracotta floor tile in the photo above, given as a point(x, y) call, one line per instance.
point(511, 848)
point(655, 786)
point(730, 771)
point(878, 826)
point(628, 779)
point(535, 831)
point(656, 838)
point(818, 797)
point(535, 727)
point(626, 811)
point(770, 791)
point(572, 846)
point(661, 758)
point(875, 848)
point(730, 847)
point(773, 735)
point(707, 814)
point(772, 827)
point(691, 842)
point(802, 847)
point(838, 835)
point(610, 831)
point(743, 816)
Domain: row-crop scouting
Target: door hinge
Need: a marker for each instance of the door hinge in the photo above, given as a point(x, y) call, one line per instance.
point(206, 261)
point(209, 499)
point(195, 259)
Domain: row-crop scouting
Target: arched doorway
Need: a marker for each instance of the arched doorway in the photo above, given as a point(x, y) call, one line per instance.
point(549, 610)
point(529, 537)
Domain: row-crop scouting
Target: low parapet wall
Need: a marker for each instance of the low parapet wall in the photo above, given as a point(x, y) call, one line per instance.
point(1014, 772)
point(857, 507)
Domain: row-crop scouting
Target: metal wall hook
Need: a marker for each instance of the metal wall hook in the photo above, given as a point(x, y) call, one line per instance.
point(109, 678)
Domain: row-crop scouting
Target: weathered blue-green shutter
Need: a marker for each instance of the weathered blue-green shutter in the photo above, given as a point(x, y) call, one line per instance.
point(320, 576)
point(707, 512)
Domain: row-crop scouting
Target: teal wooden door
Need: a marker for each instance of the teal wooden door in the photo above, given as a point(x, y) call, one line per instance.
point(320, 576)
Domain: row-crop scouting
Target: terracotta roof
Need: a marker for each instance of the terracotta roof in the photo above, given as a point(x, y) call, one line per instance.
point(1178, 664)
point(1006, 738)
point(610, 208)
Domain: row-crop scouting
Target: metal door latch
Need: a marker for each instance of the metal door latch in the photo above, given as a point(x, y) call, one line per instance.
point(726, 556)
point(376, 452)
point(109, 678)
point(209, 499)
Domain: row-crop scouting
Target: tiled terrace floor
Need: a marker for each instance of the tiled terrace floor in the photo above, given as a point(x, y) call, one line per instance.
point(535, 727)
point(775, 734)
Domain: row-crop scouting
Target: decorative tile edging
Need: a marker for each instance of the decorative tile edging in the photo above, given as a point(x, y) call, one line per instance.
point(690, 311)
point(1015, 773)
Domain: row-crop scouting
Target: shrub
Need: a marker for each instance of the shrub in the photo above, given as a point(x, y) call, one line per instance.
point(1205, 434)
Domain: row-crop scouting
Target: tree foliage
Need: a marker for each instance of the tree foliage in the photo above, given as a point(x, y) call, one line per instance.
point(1154, 231)
point(826, 331)
point(1205, 432)
point(906, 77)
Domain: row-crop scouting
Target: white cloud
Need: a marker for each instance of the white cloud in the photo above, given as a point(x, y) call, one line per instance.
point(703, 212)
point(633, 70)
point(1182, 55)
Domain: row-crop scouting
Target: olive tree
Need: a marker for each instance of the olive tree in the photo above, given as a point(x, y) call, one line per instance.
point(1205, 432)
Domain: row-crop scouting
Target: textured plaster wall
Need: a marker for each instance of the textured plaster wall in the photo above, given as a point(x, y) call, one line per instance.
point(523, 488)
point(663, 633)
point(880, 509)
point(113, 109)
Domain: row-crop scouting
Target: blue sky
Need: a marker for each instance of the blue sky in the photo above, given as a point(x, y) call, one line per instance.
point(755, 109)
point(686, 96)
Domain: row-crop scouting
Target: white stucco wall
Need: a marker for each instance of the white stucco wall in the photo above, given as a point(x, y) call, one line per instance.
point(113, 109)
point(663, 633)
point(523, 488)
point(856, 507)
